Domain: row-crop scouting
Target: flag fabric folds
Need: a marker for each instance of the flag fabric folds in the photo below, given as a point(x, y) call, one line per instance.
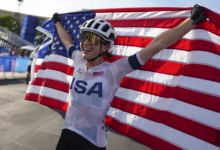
point(172, 102)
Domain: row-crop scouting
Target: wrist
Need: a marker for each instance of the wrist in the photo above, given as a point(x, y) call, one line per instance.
point(57, 24)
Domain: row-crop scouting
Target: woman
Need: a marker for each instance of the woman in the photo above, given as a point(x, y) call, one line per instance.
point(96, 81)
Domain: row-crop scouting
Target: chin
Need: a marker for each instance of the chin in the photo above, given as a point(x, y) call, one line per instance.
point(84, 56)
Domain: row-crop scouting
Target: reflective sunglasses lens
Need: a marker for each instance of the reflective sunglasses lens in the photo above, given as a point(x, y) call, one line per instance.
point(92, 38)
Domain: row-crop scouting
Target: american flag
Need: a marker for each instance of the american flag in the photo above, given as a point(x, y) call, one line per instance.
point(98, 73)
point(172, 102)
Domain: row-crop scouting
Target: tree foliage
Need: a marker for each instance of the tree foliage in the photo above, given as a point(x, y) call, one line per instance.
point(9, 23)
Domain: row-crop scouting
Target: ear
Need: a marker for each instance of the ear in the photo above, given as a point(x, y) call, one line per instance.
point(105, 47)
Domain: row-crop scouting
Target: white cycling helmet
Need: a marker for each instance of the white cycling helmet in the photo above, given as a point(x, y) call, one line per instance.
point(102, 28)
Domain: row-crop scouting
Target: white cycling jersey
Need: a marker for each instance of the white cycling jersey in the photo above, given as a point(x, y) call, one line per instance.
point(91, 93)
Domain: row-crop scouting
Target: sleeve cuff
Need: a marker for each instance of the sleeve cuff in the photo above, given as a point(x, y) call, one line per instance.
point(139, 59)
point(135, 61)
point(70, 50)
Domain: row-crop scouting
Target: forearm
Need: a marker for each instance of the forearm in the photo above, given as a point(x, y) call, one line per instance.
point(63, 35)
point(166, 39)
point(169, 37)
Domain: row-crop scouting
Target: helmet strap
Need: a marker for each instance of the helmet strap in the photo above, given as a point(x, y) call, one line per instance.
point(99, 55)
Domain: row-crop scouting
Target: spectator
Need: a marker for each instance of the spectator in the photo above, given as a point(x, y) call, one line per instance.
point(26, 53)
point(30, 63)
point(19, 52)
point(23, 53)
point(11, 51)
point(16, 51)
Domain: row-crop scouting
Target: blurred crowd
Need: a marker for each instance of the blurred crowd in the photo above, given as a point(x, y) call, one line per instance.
point(19, 52)
point(14, 51)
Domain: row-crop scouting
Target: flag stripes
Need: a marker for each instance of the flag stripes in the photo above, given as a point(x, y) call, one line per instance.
point(143, 15)
point(51, 102)
point(166, 104)
point(160, 130)
point(49, 93)
point(50, 83)
point(165, 117)
point(182, 94)
point(144, 137)
point(182, 44)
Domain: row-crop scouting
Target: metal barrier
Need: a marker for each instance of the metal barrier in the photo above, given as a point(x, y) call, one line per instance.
point(8, 39)
point(13, 64)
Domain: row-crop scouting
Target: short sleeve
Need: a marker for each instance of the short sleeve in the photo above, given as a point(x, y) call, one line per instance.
point(122, 67)
point(76, 55)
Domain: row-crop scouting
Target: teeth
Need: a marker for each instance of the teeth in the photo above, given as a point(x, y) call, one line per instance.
point(87, 49)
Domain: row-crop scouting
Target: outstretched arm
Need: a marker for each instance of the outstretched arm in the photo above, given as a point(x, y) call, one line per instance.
point(166, 39)
point(63, 35)
point(169, 37)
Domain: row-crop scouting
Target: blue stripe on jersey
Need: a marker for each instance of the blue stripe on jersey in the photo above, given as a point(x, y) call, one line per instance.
point(133, 61)
point(71, 50)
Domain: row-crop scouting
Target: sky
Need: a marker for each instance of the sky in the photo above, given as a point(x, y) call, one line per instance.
point(47, 8)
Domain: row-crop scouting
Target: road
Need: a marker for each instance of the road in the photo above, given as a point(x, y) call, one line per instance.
point(26, 125)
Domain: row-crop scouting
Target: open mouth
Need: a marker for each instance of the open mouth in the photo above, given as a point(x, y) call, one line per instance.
point(87, 50)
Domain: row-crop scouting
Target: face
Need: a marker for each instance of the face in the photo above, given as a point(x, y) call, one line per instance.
point(91, 51)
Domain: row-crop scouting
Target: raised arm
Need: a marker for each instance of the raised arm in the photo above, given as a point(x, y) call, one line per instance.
point(169, 37)
point(63, 35)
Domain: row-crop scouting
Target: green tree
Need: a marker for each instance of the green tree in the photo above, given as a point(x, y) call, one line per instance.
point(9, 23)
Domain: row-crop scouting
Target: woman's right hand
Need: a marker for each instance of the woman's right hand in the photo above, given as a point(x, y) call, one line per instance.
point(56, 18)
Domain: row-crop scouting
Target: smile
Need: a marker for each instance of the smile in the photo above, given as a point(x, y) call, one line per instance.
point(87, 49)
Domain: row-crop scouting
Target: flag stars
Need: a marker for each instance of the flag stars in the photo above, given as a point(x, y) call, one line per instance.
point(71, 26)
point(80, 26)
point(74, 31)
point(58, 43)
point(74, 18)
point(77, 36)
point(84, 17)
point(55, 38)
point(61, 48)
point(77, 21)
point(53, 47)
point(65, 18)
point(68, 22)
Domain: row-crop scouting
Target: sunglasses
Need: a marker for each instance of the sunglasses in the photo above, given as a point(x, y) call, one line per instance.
point(92, 38)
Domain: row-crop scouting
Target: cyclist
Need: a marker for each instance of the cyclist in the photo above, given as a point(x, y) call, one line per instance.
point(96, 81)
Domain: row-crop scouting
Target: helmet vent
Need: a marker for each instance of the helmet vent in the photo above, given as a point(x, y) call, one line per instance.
point(101, 21)
point(90, 24)
point(105, 28)
point(84, 24)
point(112, 27)
point(112, 36)
point(96, 26)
